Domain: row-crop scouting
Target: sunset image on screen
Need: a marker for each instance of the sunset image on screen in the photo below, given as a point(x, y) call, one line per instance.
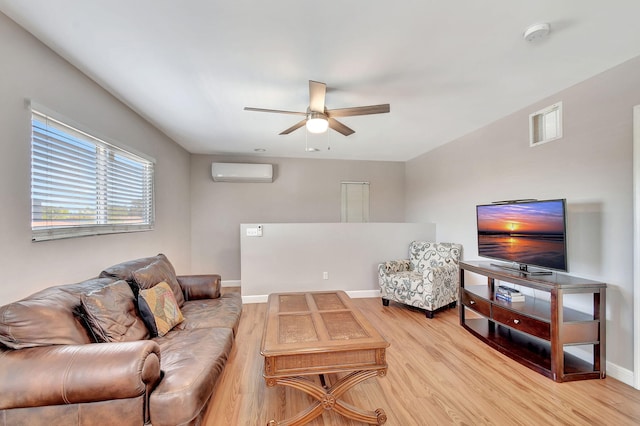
point(531, 233)
point(528, 218)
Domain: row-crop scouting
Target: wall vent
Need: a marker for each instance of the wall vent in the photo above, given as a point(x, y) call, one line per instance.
point(545, 125)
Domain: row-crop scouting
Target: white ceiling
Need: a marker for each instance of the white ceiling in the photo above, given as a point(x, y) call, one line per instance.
point(446, 67)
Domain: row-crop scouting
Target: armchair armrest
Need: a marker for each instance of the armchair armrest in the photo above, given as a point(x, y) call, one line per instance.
point(446, 275)
point(69, 374)
point(200, 286)
point(393, 266)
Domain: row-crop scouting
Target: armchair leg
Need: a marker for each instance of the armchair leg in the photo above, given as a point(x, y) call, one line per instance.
point(429, 314)
point(385, 302)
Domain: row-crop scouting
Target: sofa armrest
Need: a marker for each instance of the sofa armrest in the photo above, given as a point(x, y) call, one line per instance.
point(200, 286)
point(69, 374)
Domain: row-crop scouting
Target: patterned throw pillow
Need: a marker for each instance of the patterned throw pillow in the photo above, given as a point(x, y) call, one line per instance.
point(395, 266)
point(159, 309)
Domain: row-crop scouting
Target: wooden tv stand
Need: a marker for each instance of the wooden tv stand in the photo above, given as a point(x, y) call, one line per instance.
point(535, 332)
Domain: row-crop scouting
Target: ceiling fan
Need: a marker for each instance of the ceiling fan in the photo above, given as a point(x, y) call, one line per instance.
point(318, 118)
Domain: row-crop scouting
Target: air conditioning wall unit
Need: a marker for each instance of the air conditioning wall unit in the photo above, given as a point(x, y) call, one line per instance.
point(241, 172)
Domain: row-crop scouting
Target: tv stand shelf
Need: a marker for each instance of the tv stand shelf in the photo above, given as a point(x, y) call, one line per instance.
point(536, 331)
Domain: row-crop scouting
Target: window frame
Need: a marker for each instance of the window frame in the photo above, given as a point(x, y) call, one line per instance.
point(108, 155)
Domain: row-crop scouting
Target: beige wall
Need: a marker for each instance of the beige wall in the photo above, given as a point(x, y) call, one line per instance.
point(304, 191)
point(591, 166)
point(30, 70)
point(294, 256)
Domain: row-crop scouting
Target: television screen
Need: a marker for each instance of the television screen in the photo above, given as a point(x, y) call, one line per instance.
point(529, 233)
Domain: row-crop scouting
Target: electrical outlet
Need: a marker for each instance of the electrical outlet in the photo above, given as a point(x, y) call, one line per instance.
point(325, 275)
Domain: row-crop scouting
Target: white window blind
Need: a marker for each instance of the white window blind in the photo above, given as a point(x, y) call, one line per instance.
point(82, 185)
point(355, 202)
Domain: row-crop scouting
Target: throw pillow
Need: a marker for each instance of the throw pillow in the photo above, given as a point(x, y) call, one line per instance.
point(156, 272)
point(159, 309)
point(111, 314)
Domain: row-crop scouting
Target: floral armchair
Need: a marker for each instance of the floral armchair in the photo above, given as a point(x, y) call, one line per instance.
point(429, 279)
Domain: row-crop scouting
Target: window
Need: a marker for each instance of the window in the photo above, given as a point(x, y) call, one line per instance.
point(81, 185)
point(355, 202)
point(545, 125)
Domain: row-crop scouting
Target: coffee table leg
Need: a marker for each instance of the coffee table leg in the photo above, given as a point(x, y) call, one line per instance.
point(329, 399)
point(377, 417)
point(306, 386)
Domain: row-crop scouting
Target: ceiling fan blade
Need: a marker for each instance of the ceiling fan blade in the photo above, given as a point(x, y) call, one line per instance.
point(294, 127)
point(317, 93)
point(340, 128)
point(274, 110)
point(363, 110)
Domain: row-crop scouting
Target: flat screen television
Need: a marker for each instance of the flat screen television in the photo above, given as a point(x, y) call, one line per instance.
point(529, 233)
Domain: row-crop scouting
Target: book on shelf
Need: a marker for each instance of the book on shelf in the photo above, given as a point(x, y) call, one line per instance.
point(509, 294)
point(507, 298)
point(510, 290)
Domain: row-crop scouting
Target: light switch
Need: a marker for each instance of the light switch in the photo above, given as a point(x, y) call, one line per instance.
point(255, 231)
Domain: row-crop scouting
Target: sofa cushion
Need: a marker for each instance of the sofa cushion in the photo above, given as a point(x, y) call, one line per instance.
point(192, 362)
point(111, 314)
point(224, 311)
point(46, 317)
point(159, 309)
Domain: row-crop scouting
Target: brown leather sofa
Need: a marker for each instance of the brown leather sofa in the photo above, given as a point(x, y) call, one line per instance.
point(53, 371)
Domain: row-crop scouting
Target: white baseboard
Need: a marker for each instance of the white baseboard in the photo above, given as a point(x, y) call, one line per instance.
point(359, 294)
point(230, 283)
point(354, 294)
point(619, 373)
point(260, 298)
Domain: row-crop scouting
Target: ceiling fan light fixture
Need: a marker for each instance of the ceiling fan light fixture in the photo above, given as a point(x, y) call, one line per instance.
point(317, 122)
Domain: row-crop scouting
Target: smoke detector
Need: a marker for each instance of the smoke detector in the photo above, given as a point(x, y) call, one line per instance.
point(536, 32)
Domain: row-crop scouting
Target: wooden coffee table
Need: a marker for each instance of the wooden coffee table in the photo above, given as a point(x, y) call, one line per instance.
point(319, 333)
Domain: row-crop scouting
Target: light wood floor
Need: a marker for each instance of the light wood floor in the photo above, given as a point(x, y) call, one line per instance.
point(438, 375)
